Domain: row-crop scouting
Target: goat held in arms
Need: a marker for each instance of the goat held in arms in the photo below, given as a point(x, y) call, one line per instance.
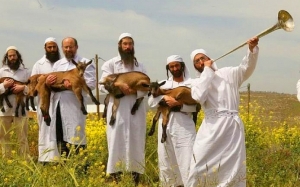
point(19, 97)
point(182, 94)
point(135, 80)
point(74, 76)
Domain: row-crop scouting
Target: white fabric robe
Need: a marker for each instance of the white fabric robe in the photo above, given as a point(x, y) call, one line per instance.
point(73, 120)
point(126, 138)
point(298, 90)
point(47, 148)
point(219, 148)
point(175, 153)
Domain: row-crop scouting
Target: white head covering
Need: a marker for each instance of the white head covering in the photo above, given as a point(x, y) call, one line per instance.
point(50, 39)
point(123, 35)
point(177, 58)
point(11, 47)
point(197, 51)
point(202, 51)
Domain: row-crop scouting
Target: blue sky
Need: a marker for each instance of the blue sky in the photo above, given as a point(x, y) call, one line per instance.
point(160, 29)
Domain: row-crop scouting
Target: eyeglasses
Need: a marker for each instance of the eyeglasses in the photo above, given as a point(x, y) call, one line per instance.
point(197, 61)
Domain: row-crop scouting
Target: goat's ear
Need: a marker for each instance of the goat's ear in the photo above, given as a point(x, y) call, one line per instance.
point(88, 63)
point(162, 83)
point(73, 61)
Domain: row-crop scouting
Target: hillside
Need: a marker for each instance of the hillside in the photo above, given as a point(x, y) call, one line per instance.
point(281, 107)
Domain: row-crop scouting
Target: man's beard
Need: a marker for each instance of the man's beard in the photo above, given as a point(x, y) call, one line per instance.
point(52, 56)
point(127, 57)
point(13, 65)
point(177, 73)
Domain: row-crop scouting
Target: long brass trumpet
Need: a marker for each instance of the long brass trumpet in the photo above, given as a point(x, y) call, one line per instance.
point(285, 22)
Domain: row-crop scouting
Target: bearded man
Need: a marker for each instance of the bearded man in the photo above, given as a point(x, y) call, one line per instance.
point(126, 138)
point(13, 67)
point(47, 147)
point(175, 153)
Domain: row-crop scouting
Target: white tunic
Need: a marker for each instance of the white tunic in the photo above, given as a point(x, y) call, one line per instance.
point(219, 148)
point(47, 148)
point(175, 154)
point(73, 120)
point(126, 138)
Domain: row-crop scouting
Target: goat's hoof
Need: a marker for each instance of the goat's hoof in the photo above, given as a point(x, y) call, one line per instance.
point(133, 112)
point(47, 120)
point(112, 122)
point(150, 133)
point(2, 109)
point(163, 139)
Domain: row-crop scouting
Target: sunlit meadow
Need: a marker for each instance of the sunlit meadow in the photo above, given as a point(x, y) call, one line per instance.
point(272, 141)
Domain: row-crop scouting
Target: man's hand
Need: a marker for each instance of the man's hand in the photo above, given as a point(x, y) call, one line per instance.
point(171, 101)
point(17, 88)
point(253, 42)
point(51, 79)
point(67, 84)
point(126, 89)
point(8, 83)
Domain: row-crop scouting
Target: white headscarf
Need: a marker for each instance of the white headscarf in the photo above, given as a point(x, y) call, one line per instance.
point(124, 35)
point(11, 47)
point(202, 51)
point(177, 58)
point(50, 39)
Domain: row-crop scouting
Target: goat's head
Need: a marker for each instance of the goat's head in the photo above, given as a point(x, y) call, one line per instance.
point(108, 82)
point(81, 66)
point(154, 88)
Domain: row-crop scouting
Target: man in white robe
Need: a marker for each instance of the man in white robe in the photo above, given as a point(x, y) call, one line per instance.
point(126, 137)
point(13, 67)
point(219, 149)
point(175, 153)
point(47, 148)
point(67, 120)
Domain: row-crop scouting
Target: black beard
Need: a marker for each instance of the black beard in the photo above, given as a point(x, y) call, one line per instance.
point(177, 73)
point(127, 57)
point(52, 56)
point(14, 66)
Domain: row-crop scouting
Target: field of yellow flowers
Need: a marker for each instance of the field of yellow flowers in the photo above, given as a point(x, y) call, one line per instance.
point(272, 143)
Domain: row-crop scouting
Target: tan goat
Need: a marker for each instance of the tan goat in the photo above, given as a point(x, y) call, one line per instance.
point(75, 76)
point(135, 80)
point(182, 94)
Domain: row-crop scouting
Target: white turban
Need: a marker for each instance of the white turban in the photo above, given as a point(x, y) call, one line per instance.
point(123, 35)
point(11, 47)
point(50, 39)
point(174, 58)
point(197, 51)
point(177, 58)
point(202, 51)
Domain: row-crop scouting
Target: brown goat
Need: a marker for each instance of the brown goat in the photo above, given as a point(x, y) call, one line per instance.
point(19, 98)
point(182, 94)
point(75, 76)
point(135, 80)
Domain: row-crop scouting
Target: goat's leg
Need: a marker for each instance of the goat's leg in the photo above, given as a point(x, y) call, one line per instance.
point(7, 101)
point(105, 106)
point(154, 121)
point(79, 96)
point(45, 104)
point(31, 99)
point(114, 111)
point(89, 91)
point(136, 105)
point(164, 124)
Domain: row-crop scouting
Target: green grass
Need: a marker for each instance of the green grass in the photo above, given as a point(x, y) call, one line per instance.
point(272, 145)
